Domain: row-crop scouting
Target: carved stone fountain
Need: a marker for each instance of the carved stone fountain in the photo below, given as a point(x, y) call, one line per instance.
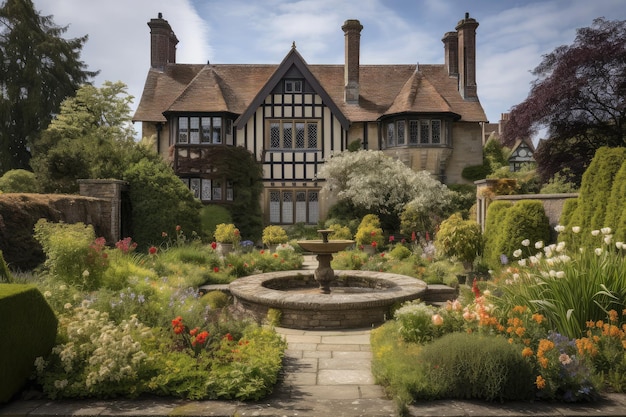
point(324, 250)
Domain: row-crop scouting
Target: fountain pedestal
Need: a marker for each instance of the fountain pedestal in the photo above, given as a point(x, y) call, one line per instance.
point(324, 250)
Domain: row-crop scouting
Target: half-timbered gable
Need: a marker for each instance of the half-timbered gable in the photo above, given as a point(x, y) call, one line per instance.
point(294, 116)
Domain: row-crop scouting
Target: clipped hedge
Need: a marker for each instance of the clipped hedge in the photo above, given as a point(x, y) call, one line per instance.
point(525, 220)
point(28, 328)
point(473, 366)
point(600, 200)
point(495, 215)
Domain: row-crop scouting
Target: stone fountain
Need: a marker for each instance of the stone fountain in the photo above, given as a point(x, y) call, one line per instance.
point(324, 250)
point(358, 299)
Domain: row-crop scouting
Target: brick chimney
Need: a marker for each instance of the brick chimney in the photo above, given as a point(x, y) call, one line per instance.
point(162, 43)
point(466, 32)
point(352, 34)
point(451, 50)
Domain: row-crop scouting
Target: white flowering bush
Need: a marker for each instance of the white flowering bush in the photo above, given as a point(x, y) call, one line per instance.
point(570, 286)
point(376, 182)
point(98, 358)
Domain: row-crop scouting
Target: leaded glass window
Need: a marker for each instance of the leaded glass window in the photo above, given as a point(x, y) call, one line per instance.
point(436, 131)
point(413, 132)
point(299, 135)
point(400, 132)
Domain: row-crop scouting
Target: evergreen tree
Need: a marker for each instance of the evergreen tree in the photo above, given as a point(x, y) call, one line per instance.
point(38, 70)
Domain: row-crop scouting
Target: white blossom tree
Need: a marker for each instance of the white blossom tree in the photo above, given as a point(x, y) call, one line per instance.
point(378, 183)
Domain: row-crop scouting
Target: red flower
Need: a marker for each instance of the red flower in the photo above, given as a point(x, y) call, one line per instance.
point(392, 238)
point(427, 237)
point(475, 288)
point(373, 233)
point(382, 255)
point(213, 245)
point(413, 237)
point(177, 321)
point(193, 331)
point(374, 244)
point(228, 337)
point(202, 337)
point(178, 228)
point(152, 250)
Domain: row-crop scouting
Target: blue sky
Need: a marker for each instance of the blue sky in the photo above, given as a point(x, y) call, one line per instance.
point(511, 38)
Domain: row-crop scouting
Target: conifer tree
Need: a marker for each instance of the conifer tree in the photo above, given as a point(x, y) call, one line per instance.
point(38, 70)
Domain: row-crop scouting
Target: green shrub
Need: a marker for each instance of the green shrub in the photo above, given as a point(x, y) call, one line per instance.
point(561, 182)
point(210, 216)
point(400, 252)
point(476, 172)
point(28, 328)
point(460, 239)
point(274, 235)
point(525, 220)
point(615, 208)
point(415, 319)
point(495, 216)
point(340, 232)
point(216, 299)
point(160, 202)
point(19, 181)
point(72, 253)
point(473, 366)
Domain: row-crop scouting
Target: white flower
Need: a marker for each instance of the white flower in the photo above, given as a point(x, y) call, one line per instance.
point(608, 239)
point(558, 228)
point(560, 274)
point(619, 245)
point(606, 230)
point(47, 294)
point(67, 306)
point(525, 242)
point(598, 251)
point(595, 232)
point(63, 287)
point(515, 277)
point(522, 262)
point(550, 262)
point(85, 273)
point(538, 245)
point(517, 253)
point(576, 229)
point(552, 273)
point(560, 247)
point(565, 359)
point(534, 260)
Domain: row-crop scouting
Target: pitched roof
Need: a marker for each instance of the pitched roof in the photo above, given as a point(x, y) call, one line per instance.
point(384, 90)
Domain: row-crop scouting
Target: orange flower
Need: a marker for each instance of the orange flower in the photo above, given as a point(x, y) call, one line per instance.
point(540, 382)
point(526, 352)
point(520, 331)
point(193, 331)
point(538, 318)
point(543, 362)
point(599, 324)
point(519, 309)
point(613, 316)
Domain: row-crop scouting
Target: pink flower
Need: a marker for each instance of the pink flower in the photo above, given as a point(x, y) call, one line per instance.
point(437, 320)
point(392, 238)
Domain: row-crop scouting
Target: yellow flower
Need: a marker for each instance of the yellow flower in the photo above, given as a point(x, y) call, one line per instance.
point(540, 382)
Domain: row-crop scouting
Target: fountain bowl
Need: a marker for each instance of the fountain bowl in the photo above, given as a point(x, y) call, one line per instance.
point(359, 298)
point(324, 247)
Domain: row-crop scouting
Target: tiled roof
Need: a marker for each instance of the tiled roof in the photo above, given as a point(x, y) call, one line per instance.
point(384, 90)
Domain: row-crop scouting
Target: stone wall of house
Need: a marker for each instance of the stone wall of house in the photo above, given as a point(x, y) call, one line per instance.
point(467, 145)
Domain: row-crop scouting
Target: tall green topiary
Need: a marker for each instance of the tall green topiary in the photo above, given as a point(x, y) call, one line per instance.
point(615, 205)
point(495, 215)
point(28, 328)
point(525, 220)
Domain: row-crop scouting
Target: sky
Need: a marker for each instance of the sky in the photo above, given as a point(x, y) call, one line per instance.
point(511, 38)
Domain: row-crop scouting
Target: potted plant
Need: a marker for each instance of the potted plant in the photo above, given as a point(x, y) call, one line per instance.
point(461, 239)
point(227, 235)
point(369, 234)
point(274, 235)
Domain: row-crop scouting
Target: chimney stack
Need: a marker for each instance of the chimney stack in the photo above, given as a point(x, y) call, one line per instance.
point(163, 43)
point(451, 50)
point(466, 32)
point(352, 34)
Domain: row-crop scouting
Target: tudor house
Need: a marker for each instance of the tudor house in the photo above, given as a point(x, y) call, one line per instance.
point(293, 116)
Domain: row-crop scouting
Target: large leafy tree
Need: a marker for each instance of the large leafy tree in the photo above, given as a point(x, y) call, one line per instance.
point(579, 97)
point(38, 70)
point(91, 137)
point(376, 183)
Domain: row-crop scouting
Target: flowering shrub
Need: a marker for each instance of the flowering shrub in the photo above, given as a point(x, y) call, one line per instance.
point(369, 232)
point(569, 287)
point(227, 233)
point(273, 235)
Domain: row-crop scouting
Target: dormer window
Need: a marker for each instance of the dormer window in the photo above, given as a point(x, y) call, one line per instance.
point(294, 86)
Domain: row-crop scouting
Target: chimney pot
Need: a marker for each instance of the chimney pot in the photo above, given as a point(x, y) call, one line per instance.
point(466, 32)
point(163, 43)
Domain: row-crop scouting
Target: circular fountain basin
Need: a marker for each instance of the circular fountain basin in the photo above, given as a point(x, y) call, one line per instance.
point(358, 298)
point(320, 246)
